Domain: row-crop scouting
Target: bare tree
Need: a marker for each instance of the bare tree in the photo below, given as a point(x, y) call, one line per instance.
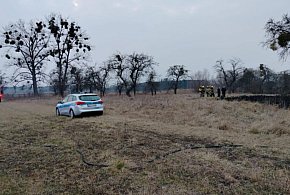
point(266, 76)
point(102, 77)
point(139, 65)
point(222, 73)
point(235, 72)
point(117, 63)
point(104, 73)
point(90, 81)
point(77, 78)
point(53, 81)
point(175, 73)
point(278, 36)
point(130, 69)
point(119, 87)
point(70, 46)
point(98, 77)
point(27, 49)
point(230, 76)
point(151, 83)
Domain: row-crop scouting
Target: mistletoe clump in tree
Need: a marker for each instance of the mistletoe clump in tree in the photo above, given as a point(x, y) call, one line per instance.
point(26, 48)
point(70, 46)
point(278, 36)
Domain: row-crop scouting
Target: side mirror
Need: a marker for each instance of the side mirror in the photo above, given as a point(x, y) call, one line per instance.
point(60, 102)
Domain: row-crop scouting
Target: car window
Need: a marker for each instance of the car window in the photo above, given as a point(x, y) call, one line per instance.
point(65, 99)
point(70, 98)
point(74, 98)
point(89, 98)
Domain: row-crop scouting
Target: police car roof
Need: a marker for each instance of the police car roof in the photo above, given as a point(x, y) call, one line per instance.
point(82, 94)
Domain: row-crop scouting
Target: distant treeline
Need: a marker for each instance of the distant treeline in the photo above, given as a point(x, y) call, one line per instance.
point(163, 85)
point(248, 82)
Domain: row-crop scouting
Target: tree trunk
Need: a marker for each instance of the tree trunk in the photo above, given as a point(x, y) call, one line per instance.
point(128, 93)
point(77, 88)
point(175, 87)
point(61, 89)
point(60, 81)
point(34, 84)
point(104, 90)
point(128, 90)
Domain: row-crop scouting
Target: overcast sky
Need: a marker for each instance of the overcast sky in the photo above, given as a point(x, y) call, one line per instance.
point(194, 33)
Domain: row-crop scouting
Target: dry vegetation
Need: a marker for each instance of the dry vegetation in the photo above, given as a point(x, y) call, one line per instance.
point(166, 144)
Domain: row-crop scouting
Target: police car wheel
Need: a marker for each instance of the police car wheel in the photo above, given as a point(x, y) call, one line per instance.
point(57, 112)
point(71, 114)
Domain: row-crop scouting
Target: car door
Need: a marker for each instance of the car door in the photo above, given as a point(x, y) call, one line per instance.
point(62, 107)
point(66, 105)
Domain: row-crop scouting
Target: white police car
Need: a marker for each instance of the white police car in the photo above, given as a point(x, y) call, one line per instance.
point(78, 104)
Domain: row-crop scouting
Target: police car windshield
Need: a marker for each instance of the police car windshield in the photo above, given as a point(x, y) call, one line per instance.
point(89, 98)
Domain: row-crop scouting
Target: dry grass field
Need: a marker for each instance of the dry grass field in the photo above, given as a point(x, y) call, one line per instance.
point(166, 144)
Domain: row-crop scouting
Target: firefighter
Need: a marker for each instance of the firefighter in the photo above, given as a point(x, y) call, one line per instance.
point(211, 91)
point(219, 92)
point(201, 90)
point(223, 92)
point(207, 91)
